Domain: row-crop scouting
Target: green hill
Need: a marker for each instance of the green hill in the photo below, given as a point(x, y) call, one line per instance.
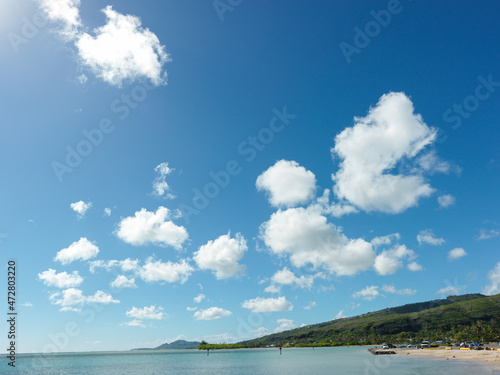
point(179, 344)
point(472, 316)
point(454, 318)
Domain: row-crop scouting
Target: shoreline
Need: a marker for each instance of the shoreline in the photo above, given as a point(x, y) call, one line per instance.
point(482, 357)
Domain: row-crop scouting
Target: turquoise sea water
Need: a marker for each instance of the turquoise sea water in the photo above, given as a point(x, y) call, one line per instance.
point(293, 361)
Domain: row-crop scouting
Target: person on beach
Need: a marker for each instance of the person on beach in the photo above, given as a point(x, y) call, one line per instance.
point(280, 350)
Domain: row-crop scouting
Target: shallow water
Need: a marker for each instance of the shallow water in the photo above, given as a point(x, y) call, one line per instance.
point(293, 361)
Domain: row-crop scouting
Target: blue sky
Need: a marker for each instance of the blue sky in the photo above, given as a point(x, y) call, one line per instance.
point(222, 170)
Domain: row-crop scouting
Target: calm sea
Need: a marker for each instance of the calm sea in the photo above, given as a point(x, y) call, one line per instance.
point(293, 361)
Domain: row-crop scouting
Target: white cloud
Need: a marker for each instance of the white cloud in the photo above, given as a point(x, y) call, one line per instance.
point(107, 211)
point(191, 308)
point(82, 249)
point(27, 304)
point(199, 298)
point(431, 163)
point(404, 292)
point(389, 261)
point(156, 270)
point(61, 279)
point(414, 266)
point(82, 79)
point(73, 299)
point(426, 236)
point(123, 51)
point(449, 290)
point(287, 277)
point(340, 315)
point(122, 281)
point(211, 313)
point(369, 150)
point(156, 228)
point(221, 256)
point(494, 279)
point(64, 11)
point(307, 238)
point(369, 293)
point(487, 234)
point(153, 270)
point(310, 306)
point(385, 240)
point(260, 304)
point(285, 325)
point(81, 208)
point(287, 184)
point(160, 186)
point(446, 200)
point(272, 289)
point(151, 312)
point(456, 253)
point(134, 323)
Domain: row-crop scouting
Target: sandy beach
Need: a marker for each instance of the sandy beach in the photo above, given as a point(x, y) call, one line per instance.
point(487, 357)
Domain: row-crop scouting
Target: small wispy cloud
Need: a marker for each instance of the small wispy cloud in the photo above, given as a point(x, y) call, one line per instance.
point(81, 208)
point(487, 234)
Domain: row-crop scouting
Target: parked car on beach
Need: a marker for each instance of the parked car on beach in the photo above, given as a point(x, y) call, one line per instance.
point(425, 344)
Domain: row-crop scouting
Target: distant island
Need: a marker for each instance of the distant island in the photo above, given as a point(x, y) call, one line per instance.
point(468, 317)
point(179, 344)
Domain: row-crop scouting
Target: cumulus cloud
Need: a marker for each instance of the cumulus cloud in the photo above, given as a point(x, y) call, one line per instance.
point(449, 290)
point(389, 261)
point(155, 228)
point(81, 208)
point(285, 325)
point(392, 289)
point(494, 281)
point(369, 150)
point(82, 249)
point(426, 236)
point(151, 312)
point(211, 313)
point(260, 304)
point(61, 279)
point(414, 266)
point(385, 240)
point(122, 50)
point(287, 184)
point(446, 200)
point(431, 163)
point(340, 315)
point(122, 281)
point(153, 270)
point(369, 293)
point(307, 238)
point(160, 186)
point(221, 256)
point(199, 298)
point(158, 271)
point(64, 11)
point(456, 253)
point(287, 277)
point(73, 299)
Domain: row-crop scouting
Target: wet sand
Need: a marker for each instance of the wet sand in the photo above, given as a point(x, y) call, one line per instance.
point(486, 357)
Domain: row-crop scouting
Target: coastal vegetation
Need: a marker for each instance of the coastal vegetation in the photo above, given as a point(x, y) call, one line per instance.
point(472, 317)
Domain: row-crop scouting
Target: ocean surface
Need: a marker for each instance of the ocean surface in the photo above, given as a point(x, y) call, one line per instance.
point(293, 361)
